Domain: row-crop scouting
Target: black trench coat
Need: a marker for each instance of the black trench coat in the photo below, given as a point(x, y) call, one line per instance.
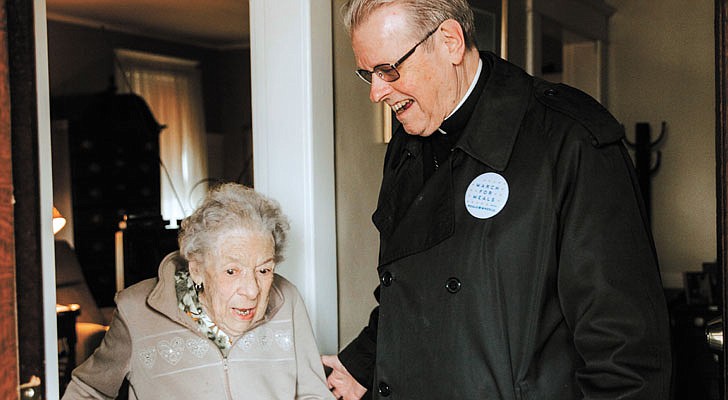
point(556, 296)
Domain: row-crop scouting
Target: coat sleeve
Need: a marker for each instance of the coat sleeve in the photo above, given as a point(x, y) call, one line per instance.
point(102, 374)
point(359, 357)
point(608, 279)
point(310, 380)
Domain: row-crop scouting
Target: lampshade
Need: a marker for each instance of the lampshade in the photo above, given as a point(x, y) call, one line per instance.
point(58, 221)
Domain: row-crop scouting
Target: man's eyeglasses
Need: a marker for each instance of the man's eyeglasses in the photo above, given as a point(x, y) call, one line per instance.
point(388, 72)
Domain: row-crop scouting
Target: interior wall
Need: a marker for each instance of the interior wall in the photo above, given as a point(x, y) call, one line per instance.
point(81, 57)
point(228, 112)
point(661, 68)
point(359, 150)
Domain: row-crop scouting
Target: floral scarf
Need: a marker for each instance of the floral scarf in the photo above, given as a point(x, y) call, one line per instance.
point(189, 303)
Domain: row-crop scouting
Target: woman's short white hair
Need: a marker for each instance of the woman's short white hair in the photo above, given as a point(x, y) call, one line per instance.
point(227, 208)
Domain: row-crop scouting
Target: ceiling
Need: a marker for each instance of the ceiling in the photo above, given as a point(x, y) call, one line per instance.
point(208, 23)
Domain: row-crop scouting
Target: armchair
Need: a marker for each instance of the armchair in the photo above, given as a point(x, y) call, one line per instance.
point(71, 288)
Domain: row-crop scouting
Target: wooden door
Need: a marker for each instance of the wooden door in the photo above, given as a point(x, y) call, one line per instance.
point(20, 206)
point(8, 337)
point(721, 146)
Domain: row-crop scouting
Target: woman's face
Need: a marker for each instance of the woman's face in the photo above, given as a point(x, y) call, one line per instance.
point(237, 277)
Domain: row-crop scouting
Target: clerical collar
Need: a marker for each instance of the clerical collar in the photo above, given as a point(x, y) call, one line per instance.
point(467, 94)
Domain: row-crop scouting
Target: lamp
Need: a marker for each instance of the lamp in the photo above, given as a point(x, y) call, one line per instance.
point(58, 221)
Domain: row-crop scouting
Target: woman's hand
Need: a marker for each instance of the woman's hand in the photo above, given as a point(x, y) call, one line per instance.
point(340, 381)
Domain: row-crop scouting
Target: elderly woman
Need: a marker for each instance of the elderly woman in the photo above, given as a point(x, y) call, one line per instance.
point(217, 323)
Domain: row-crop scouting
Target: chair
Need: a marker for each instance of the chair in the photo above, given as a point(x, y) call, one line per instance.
point(71, 288)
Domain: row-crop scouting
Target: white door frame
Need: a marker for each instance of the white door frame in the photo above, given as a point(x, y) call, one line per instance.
point(293, 144)
point(45, 172)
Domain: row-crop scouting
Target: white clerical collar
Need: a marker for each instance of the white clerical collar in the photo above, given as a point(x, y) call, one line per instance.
point(470, 90)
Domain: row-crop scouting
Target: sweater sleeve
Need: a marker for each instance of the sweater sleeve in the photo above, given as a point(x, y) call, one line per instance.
point(310, 380)
point(102, 374)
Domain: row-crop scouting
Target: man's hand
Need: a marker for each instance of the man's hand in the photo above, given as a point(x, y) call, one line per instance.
point(340, 381)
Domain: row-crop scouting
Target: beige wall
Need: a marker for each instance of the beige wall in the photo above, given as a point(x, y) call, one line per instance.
point(662, 69)
point(359, 153)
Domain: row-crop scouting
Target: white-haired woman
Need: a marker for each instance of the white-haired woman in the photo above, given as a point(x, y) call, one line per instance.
point(217, 323)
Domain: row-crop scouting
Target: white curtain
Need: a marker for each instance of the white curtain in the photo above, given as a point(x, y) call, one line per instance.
point(172, 89)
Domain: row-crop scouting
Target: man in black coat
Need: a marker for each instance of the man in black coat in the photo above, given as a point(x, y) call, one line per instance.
point(515, 258)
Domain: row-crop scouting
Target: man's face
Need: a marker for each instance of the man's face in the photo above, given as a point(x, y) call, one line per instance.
point(425, 92)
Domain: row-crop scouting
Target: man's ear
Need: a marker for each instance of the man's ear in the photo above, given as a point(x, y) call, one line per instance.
point(454, 40)
point(196, 272)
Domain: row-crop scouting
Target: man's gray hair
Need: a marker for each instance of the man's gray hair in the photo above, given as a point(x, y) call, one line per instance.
point(231, 208)
point(425, 15)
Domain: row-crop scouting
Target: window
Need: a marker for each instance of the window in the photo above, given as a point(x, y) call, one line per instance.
point(172, 89)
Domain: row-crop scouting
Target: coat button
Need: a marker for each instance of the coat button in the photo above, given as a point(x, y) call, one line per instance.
point(453, 285)
point(387, 278)
point(550, 92)
point(384, 389)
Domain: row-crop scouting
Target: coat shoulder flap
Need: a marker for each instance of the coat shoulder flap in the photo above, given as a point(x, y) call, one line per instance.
point(584, 109)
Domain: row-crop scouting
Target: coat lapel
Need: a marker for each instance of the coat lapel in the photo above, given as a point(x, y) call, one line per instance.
point(491, 132)
point(412, 216)
point(402, 180)
point(427, 221)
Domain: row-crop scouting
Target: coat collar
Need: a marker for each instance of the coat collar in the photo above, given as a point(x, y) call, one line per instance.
point(489, 137)
point(491, 132)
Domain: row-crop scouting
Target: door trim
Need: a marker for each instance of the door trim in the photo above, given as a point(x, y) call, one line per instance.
point(721, 149)
point(293, 154)
point(33, 194)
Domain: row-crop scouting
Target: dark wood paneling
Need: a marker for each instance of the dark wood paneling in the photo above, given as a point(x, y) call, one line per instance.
point(24, 142)
point(8, 337)
point(721, 99)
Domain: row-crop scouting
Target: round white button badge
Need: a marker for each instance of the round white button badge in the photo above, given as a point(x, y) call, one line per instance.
point(486, 196)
